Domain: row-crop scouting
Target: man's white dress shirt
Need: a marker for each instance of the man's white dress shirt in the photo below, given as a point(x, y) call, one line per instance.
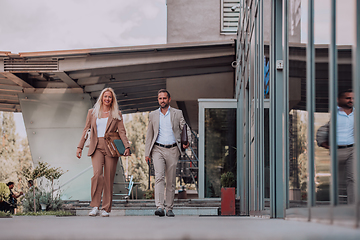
point(166, 134)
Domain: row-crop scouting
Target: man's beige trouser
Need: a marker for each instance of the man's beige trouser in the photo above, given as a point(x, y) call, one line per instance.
point(345, 161)
point(165, 161)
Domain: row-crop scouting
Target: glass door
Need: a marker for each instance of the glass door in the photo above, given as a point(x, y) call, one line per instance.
point(217, 144)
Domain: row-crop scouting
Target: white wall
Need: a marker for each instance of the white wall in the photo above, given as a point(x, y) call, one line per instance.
point(54, 125)
point(194, 21)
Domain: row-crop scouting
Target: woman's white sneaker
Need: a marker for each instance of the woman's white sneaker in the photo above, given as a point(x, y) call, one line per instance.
point(104, 213)
point(94, 212)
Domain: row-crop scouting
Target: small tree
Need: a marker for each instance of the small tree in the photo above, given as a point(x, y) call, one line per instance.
point(38, 172)
point(53, 174)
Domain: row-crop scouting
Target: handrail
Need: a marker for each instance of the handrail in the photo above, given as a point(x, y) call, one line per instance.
point(131, 184)
point(73, 178)
point(193, 133)
point(195, 165)
point(193, 152)
point(129, 188)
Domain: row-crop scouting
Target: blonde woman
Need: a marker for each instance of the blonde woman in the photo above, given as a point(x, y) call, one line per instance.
point(104, 117)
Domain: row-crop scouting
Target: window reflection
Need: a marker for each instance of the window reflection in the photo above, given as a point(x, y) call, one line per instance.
point(220, 147)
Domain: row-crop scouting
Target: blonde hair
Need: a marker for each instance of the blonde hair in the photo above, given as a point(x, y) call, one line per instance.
point(114, 108)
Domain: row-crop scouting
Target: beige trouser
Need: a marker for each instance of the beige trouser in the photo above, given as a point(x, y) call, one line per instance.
point(345, 161)
point(104, 167)
point(165, 161)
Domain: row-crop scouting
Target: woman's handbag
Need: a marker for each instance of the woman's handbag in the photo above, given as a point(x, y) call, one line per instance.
point(114, 143)
point(87, 137)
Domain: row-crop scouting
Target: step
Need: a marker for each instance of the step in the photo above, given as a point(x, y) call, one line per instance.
point(149, 211)
point(75, 204)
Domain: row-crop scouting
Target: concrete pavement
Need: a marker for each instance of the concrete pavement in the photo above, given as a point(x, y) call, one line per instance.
point(180, 227)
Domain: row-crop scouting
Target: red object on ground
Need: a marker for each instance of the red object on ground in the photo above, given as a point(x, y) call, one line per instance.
point(228, 201)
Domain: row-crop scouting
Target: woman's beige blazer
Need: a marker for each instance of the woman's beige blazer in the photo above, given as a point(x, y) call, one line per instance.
point(111, 126)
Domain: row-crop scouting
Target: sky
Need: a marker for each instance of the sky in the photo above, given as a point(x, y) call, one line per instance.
point(345, 21)
point(43, 25)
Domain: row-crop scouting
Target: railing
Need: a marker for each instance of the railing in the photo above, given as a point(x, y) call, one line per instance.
point(129, 188)
point(73, 178)
point(189, 170)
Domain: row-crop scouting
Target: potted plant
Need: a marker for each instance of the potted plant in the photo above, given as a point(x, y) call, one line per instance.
point(227, 194)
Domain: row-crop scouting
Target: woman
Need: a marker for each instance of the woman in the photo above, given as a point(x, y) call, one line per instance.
point(103, 118)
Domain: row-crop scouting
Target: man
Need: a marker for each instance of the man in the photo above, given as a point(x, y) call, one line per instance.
point(345, 139)
point(163, 145)
point(13, 198)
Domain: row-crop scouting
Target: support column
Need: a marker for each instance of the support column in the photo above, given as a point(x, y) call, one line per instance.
point(333, 89)
point(356, 87)
point(285, 45)
point(277, 171)
point(310, 107)
point(261, 105)
point(54, 125)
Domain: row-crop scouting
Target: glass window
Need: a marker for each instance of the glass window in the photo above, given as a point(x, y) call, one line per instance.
point(220, 148)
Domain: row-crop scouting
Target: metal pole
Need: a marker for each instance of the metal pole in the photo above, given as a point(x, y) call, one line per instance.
point(241, 148)
point(285, 43)
point(356, 87)
point(333, 86)
point(261, 105)
point(310, 106)
point(277, 204)
point(247, 122)
point(244, 157)
point(256, 118)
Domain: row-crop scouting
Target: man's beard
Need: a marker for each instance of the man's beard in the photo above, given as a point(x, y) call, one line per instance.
point(348, 107)
point(165, 106)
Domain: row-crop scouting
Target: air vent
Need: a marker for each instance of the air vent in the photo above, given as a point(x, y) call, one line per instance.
point(21, 65)
point(230, 18)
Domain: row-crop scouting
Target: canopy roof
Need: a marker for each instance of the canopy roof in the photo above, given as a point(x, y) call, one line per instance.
point(135, 73)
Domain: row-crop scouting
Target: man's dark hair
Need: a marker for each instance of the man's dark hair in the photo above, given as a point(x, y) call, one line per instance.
point(165, 91)
point(10, 183)
point(342, 93)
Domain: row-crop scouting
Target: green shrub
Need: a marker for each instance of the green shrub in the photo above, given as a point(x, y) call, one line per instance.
point(4, 192)
point(52, 204)
point(149, 194)
point(227, 180)
point(56, 213)
point(4, 214)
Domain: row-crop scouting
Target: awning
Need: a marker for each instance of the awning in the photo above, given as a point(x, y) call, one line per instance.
point(135, 73)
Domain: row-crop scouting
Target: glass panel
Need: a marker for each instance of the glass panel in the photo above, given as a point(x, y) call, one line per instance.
point(298, 158)
point(345, 130)
point(220, 148)
point(266, 154)
point(322, 163)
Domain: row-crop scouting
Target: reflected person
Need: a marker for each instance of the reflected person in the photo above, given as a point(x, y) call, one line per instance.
point(163, 145)
point(345, 139)
point(104, 117)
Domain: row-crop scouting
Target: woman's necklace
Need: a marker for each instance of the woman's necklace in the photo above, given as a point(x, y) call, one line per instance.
point(106, 112)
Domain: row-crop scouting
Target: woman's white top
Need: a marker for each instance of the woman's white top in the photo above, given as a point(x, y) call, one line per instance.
point(101, 126)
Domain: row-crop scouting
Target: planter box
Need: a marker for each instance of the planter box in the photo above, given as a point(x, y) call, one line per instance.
point(227, 201)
